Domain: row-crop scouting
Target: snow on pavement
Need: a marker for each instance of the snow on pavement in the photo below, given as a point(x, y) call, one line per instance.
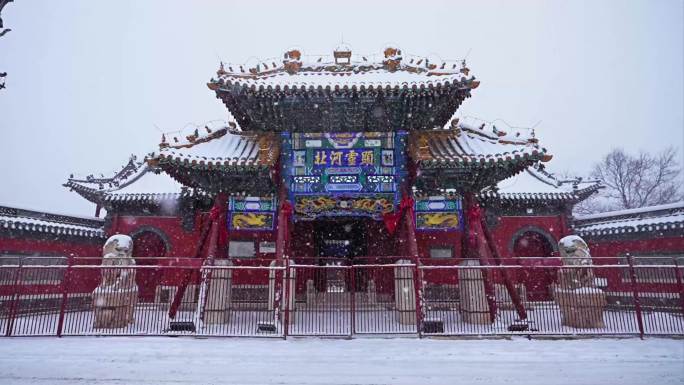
point(159, 360)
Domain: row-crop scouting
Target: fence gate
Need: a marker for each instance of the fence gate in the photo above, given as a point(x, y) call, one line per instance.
point(338, 300)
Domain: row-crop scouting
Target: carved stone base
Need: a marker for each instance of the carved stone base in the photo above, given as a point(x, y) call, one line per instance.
point(581, 308)
point(404, 293)
point(216, 316)
point(480, 317)
point(219, 294)
point(114, 309)
point(473, 300)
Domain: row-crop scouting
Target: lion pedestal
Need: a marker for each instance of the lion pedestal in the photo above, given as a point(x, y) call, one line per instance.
point(581, 302)
point(115, 298)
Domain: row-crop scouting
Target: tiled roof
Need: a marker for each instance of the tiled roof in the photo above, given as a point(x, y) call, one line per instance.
point(344, 70)
point(536, 185)
point(137, 181)
point(344, 92)
point(19, 219)
point(222, 149)
point(661, 218)
point(463, 144)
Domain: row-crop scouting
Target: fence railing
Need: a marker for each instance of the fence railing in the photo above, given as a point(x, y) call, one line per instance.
point(263, 298)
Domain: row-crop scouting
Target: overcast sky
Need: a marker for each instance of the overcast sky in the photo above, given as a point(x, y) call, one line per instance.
point(89, 81)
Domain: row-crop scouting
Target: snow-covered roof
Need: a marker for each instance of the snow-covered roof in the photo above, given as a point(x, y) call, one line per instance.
point(535, 184)
point(654, 218)
point(137, 181)
point(468, 142)
point(389, 69)
point(22, 219)
point(222, 147)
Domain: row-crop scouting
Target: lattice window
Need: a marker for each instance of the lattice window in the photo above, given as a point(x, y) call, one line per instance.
point(343, 178)
point(381, 178)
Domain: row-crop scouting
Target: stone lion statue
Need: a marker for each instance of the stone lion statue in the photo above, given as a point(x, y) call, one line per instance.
point(115, 298)
point(575, 252)
point(581, 303)
point(118, 251)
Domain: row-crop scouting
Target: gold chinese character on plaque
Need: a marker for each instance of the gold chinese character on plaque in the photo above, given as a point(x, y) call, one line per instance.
point(367, 158)
point(351, 158)
point(336, 158)
point(320, 158)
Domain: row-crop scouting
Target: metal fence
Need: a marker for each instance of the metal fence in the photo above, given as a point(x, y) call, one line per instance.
point(325, 298)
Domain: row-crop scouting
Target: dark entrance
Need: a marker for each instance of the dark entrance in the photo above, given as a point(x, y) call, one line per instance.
point(537, 248)
point(339, 242)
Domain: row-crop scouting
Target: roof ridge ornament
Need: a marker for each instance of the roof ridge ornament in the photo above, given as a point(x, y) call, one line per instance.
point(464, 68)
point(342, 54)
point(292, 61)
point(393, 58)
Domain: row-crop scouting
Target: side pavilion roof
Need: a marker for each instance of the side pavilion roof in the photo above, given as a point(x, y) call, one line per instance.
point(16, 219)
point(660, 219)
point(210, 160)
point(475, 154)
point(222, 159)
point(137, 181)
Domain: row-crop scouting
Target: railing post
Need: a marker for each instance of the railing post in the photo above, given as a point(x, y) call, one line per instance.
point(680, 285)
point(15, 299)
point(286, 295)
point(635, 293)
point(352, 283)
point(65, 291)
point(418, 294)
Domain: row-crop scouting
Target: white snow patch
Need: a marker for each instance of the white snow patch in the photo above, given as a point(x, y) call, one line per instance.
point(150, 360)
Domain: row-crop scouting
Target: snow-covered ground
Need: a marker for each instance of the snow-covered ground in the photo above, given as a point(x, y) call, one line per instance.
point(161, 360)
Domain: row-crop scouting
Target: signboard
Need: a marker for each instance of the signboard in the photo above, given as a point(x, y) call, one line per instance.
point(333, 174)
point(251, 213)
point(439, 213)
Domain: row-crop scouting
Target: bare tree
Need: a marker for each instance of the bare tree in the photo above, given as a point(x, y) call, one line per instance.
point(634, 181)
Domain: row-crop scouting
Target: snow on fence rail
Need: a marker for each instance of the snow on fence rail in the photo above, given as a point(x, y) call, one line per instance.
point(265, 298)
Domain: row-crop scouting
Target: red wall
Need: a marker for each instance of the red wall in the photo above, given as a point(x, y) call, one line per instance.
point(80, 252)
point(617, 248)
point(182, 243)
point(57, 247)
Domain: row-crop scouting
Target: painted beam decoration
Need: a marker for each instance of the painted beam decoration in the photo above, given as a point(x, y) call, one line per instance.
point(439, 213)
point(251, 213)
point(336, 174)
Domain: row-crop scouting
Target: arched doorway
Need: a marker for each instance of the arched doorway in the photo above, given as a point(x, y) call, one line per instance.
point(538, 249)
point(147, 246)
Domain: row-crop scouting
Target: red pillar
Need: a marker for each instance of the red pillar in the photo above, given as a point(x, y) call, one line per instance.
point(210, 230)
point(283, 234)
point(411, 230)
